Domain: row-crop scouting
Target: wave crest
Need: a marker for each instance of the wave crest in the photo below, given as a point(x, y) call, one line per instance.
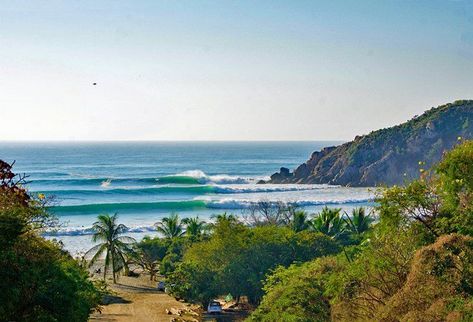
point(199, 176)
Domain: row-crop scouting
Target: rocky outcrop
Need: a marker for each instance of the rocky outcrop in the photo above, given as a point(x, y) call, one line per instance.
point(388, 156)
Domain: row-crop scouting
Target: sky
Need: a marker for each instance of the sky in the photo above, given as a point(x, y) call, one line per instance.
point(227, 70)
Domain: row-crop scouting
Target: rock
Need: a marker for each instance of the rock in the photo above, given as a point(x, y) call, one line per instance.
point(284, 174)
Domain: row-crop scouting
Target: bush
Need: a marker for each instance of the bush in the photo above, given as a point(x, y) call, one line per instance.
point(439, 286)
point(297, 293)
point(40, 281)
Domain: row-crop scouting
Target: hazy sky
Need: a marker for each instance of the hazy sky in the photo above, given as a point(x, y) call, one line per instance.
point(227, 70)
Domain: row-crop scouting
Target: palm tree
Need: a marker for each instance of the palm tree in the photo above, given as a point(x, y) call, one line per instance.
point(359, 222)
point(299, 221)
point(329, 222)
point(114, 246)
point(171, 227)
point(195, 228)
point(224, 217)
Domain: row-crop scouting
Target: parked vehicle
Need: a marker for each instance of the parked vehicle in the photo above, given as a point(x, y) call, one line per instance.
point(161, 286)
point(214, 307)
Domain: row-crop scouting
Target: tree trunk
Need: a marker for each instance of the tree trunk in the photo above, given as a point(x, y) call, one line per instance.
point(105, 268)
point(113, 267)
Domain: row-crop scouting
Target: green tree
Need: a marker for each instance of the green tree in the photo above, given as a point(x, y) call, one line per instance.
point(329, 222)
point(195, 228)
point(296, 293)
point(454, 180)
point(40, 281)
point(171, 227)
point(148, 254)
point(358, 223)
point(238, 257)
point(114, 246)
point(299, 220)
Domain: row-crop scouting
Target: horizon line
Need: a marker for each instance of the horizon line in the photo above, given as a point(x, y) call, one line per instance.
point(163, 141)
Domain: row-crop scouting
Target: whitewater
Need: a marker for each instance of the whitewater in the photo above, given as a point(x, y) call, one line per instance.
point(146, 181)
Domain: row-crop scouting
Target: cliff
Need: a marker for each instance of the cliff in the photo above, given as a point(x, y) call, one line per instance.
point(388, 156)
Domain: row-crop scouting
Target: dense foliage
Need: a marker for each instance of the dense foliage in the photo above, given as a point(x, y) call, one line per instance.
point(40, 281)
point(236, 259)
point(415, 264)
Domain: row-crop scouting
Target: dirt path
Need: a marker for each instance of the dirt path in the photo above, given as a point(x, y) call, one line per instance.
point(136, 299)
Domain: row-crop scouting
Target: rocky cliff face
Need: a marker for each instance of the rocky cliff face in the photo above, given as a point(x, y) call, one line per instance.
point(388, 156)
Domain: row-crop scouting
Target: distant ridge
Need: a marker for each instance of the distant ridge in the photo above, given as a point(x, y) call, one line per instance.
point(388, 156)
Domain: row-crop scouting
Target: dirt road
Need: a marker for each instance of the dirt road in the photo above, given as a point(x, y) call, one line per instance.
point(137, 300)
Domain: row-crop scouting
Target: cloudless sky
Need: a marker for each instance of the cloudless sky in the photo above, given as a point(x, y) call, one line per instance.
point(227, 70)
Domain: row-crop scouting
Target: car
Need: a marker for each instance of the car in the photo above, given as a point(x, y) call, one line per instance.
point(161, 286)
point(214, 307)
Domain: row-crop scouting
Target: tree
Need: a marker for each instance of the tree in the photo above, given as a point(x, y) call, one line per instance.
point(329, 222)
point(148, 254)
point(238, 257)
point(195, 228)
point(454, 183)
point(171, 227)
point(266, 212)
point(114, 246)
point(299, 221)
point(296, 293)
point(442, 200)
point(358, 223)
point(40, 281)
point(32, 210)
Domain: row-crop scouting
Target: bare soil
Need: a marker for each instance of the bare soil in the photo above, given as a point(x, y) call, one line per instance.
point(136, 299)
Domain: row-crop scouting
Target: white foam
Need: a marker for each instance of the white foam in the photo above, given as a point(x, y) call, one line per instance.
point(202, 177)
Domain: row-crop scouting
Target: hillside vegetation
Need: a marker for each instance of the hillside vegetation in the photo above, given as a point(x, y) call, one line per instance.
point(388, 156)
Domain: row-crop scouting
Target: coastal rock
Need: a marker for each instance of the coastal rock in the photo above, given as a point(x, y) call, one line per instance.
point(387, 156)
point(281, 176)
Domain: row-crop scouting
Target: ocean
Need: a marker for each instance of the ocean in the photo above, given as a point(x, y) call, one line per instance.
point(146, 181)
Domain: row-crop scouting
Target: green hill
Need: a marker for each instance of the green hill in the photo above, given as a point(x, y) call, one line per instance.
point(388, 156)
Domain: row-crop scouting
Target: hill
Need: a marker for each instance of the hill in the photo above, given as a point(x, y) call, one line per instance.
point(387, 156)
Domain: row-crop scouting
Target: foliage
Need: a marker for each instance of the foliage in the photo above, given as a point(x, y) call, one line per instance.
point(13, 197)
point(455, 187)
point(329, 222)
point(297, 293)
point(148, 254)
point(195, 282)
point(40, 281)
point(236, 259)
point(373, 274)
point(171, 227)
point(409, 267)
point(359, 222)
point(439, 285)
point(195, 228)
point(114, 246)
point(299, 221)
point(442, 200)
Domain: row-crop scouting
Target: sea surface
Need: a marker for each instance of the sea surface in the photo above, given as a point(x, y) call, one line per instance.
point(146, 181)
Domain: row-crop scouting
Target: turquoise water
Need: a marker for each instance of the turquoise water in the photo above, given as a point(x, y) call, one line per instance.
point(144, 181)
